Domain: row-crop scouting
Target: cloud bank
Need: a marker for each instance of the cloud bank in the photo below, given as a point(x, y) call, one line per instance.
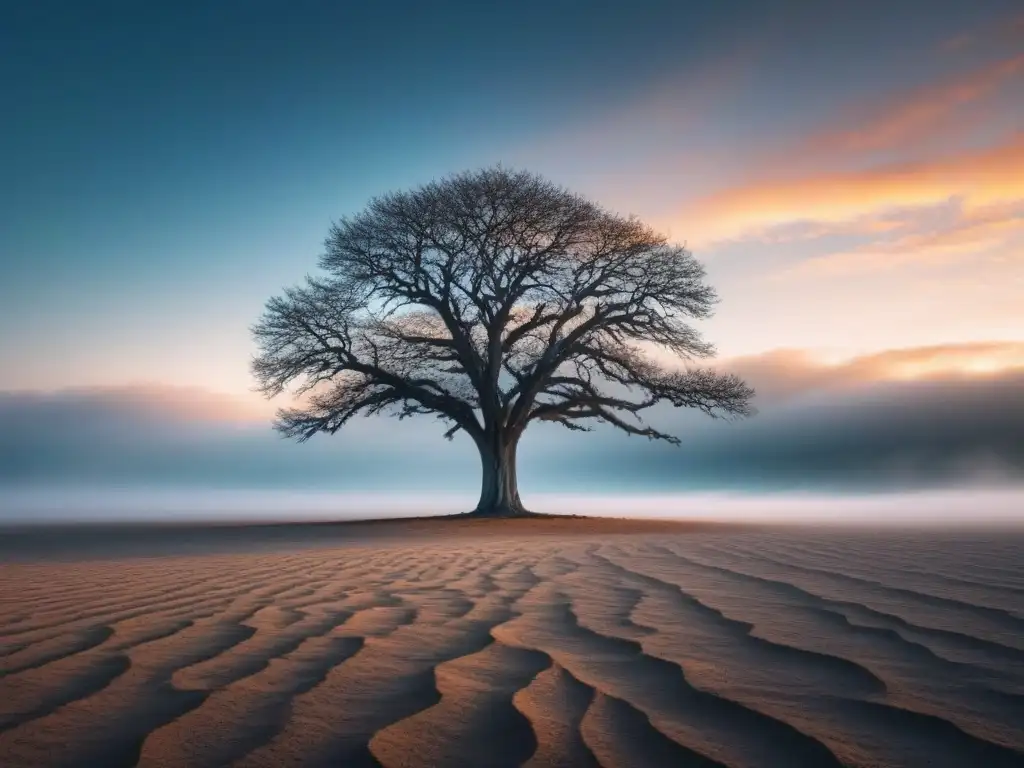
point(933, 418)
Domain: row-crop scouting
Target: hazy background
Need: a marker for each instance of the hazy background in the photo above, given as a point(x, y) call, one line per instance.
point(851, 175)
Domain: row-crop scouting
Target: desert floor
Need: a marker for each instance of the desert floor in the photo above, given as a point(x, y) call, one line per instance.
point(540, 643)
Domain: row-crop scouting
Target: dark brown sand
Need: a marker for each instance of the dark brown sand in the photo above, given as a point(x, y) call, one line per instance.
point(548, 642)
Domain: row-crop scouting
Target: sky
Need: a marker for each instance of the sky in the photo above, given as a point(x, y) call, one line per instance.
point(851, 175)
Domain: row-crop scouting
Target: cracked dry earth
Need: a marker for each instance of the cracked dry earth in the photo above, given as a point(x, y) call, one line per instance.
point(723, 648)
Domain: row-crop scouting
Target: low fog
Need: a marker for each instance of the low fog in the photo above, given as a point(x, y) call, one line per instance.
point(853, 430)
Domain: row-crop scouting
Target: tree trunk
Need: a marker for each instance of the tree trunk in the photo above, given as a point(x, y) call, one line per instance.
point(499, 492)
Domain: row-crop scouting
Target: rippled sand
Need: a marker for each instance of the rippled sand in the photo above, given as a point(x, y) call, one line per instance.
point(574, 643)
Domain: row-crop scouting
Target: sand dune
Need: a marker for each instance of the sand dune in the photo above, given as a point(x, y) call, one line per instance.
point(506, 643)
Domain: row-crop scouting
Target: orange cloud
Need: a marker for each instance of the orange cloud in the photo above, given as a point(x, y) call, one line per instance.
point(784, 373)
point(991, 177)
point(941, 360)
point(910, 116)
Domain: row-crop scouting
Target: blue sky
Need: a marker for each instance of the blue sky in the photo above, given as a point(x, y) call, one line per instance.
point(850, 174)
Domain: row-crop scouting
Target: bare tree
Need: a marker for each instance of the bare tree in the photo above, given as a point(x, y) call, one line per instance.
point(490, 300)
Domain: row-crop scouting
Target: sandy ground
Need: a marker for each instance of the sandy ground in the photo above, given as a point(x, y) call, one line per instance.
point(539, 643)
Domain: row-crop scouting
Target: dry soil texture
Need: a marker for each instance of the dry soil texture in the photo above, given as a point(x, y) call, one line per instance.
point(511, 643)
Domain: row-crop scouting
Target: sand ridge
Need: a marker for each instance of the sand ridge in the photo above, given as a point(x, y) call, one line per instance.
point(506, 643)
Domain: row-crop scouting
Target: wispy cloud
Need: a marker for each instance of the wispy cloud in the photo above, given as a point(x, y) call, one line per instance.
point(907, 118)
point(1006, 31)
point(994, 231)
point(978, 179)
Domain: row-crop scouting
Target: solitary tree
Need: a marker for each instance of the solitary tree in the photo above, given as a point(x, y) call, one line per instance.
point(490, 300)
